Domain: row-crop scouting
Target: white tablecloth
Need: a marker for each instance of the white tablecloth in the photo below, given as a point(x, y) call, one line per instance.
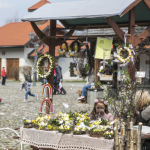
point(56, 140)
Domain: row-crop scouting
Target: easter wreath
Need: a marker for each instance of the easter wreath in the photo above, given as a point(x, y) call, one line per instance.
point(119, 55)
point(62, 49)
point(51, 66)
point(74, 48)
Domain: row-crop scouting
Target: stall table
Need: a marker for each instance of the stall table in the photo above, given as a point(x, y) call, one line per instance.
point(52, 140)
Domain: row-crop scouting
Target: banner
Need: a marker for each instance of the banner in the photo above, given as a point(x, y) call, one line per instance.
point(103, 48)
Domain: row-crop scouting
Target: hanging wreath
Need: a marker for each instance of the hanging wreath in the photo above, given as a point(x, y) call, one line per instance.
point(119, 57)
point(51, 66)
point(75, 46)
point(63, 49)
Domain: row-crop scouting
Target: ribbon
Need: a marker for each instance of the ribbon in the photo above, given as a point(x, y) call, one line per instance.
point(125, 38)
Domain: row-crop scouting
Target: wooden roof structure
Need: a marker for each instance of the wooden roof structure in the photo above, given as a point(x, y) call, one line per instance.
point(133, 13)
point(137, 13)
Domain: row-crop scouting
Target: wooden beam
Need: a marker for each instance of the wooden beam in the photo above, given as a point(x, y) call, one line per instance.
point(81, 27)
point(116, 28)
point(40, 34)
point(130, 7)
point(131, 29)
point(58, 41)
point(79, 36)
point(147, 2)
point(63, 22)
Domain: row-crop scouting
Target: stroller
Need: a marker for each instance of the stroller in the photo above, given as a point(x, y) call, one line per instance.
point(61, 89)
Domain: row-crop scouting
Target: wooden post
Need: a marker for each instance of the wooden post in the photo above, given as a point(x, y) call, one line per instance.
point(96, 68)
point(47, 104)
point(52, 46)
point(131, 30)
point(52, 53)
point(131, 27)
point(131, 135)
point(128, 132)
point(135, 139)
point(139, 136)
point(116, 135)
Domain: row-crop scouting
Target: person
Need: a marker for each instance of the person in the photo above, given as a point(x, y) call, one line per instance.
point(58, 79)
point(3, 74)
point(27, 86)
point(0, 100)
point(142, 113)
point(88, 85)
point(100, 110)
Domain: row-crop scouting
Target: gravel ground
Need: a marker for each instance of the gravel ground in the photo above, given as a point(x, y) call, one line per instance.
point(13, 110)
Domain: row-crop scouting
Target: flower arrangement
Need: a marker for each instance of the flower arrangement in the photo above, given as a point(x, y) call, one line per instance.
point(80, 130)
point(108, 135)
point(77, 123)
point(64, 129)
point(97, 128)
point(27, 123)
point(51, 66)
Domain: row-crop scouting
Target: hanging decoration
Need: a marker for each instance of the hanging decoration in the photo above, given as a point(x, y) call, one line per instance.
point(51, 66)
point(50, 103)
point(118, 56)
point(63, 48)
point(49, 90)
point(84, 69)
point(74, 48)
point(100, 71)
point(124, 61)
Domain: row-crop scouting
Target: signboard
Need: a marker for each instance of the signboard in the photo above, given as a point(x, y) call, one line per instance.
point(103, 48)
point(140, 74)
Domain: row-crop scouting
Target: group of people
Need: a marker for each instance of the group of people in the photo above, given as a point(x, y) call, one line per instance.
point(57, 86)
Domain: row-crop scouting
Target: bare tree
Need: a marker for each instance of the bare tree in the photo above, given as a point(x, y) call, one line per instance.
point(15, 18)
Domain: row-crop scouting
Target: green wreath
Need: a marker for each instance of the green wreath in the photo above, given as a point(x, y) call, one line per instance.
point(51, 66)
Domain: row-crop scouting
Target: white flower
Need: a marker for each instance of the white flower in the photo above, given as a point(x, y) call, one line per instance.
point(61, 121)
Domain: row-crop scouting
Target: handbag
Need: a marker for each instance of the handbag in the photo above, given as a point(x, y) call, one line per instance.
point(6, 77)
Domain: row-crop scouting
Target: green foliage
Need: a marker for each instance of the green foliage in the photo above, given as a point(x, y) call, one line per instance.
point(125, 94)
point(53, 122)
point(87, 67)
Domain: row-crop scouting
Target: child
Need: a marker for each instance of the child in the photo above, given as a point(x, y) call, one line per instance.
point(100, 110)
point(27, 87)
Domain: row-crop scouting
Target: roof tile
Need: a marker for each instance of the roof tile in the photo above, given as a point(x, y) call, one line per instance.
point(38, 5)
point(17, 34)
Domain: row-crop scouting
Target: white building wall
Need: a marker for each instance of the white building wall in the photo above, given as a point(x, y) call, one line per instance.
point(143, 65)
point(20, 53)
point(3, 63)
point(65, 64)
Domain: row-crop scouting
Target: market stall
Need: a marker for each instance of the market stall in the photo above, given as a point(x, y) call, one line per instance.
point(76, 16)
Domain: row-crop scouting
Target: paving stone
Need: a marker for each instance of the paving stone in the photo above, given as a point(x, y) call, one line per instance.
point(13, 109)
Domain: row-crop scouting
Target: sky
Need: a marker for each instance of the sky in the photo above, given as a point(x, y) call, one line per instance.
point(9, 8)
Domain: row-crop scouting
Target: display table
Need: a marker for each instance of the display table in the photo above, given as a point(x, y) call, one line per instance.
point(40, 139)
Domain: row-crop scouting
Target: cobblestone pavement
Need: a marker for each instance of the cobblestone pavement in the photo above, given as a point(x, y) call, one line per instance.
point(13, 110)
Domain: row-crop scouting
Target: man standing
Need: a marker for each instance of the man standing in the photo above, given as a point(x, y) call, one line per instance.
point(3, 76)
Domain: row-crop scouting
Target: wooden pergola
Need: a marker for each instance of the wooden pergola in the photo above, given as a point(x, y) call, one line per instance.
point(136, 14)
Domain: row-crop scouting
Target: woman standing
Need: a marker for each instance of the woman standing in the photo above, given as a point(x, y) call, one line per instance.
point(3, 76)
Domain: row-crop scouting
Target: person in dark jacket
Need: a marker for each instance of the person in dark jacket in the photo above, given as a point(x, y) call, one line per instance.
point(58, 79)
